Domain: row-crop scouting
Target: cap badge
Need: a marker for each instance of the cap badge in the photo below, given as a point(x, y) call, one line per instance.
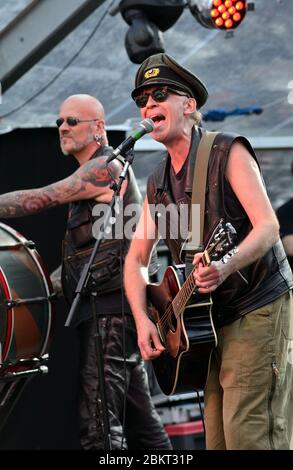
point(152, 73)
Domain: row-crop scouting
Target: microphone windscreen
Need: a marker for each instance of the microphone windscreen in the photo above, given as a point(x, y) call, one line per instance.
point(148, 124)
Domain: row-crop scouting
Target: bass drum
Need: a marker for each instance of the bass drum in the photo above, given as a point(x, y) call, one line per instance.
point(26, 314)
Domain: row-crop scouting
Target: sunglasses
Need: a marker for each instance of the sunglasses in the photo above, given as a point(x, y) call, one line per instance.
point(159, 95)
point(71, 121)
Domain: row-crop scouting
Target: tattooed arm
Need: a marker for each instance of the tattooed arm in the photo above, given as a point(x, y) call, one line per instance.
point(90, 181)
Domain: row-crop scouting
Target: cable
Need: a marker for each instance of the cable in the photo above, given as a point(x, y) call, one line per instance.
point(201, 412)
point(123, 316)
point(64, 68)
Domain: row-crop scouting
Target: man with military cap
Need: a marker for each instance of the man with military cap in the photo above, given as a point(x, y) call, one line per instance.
point(162, 69)
point(248, 393)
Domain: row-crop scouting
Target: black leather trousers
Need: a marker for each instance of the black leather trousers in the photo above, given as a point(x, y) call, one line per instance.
point(127, 391)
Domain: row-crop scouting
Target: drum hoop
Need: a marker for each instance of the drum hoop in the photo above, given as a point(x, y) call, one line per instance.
point(34, 254)
point(10, 317)
point(47, 283)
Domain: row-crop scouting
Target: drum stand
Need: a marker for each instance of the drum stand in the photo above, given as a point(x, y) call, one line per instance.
point(15, 379)
point(82, 285)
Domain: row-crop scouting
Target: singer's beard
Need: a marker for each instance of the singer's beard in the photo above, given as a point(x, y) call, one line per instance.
point(76, 147)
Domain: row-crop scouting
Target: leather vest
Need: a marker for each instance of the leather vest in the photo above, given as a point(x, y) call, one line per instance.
point(81, 236)
point(267, 278)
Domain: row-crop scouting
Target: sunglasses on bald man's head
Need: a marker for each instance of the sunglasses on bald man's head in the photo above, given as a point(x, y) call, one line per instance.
point(72, 121)
point(159, 95)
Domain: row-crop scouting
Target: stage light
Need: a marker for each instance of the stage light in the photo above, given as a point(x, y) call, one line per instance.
point(147, 19)
point(221, 14)
point(143, 37)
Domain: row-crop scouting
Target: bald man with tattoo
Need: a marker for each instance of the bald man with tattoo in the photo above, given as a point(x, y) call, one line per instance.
point(82, 134)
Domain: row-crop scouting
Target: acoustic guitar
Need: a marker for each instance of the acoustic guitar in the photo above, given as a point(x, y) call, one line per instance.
point(183, 318)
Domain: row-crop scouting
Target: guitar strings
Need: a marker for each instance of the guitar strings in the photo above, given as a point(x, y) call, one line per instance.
point(190, 282)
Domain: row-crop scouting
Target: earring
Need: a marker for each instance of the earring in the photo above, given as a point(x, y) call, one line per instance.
point(98, 139)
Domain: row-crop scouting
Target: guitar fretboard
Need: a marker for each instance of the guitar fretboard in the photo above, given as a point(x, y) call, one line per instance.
point(182, 297)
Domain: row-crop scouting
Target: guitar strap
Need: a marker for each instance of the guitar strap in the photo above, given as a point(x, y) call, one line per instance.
point(195, 239)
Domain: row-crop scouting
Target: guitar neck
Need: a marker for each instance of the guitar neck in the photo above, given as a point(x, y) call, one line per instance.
point(182, 297)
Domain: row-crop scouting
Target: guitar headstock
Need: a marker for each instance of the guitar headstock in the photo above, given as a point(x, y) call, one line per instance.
point(222, 242)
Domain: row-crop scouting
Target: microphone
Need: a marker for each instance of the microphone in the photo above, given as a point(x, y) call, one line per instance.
point(145, 126)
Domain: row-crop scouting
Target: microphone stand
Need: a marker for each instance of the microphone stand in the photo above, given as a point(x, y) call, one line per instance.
point(82, 286)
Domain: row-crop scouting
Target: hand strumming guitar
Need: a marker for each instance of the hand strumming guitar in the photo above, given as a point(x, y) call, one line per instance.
point(148, 339)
